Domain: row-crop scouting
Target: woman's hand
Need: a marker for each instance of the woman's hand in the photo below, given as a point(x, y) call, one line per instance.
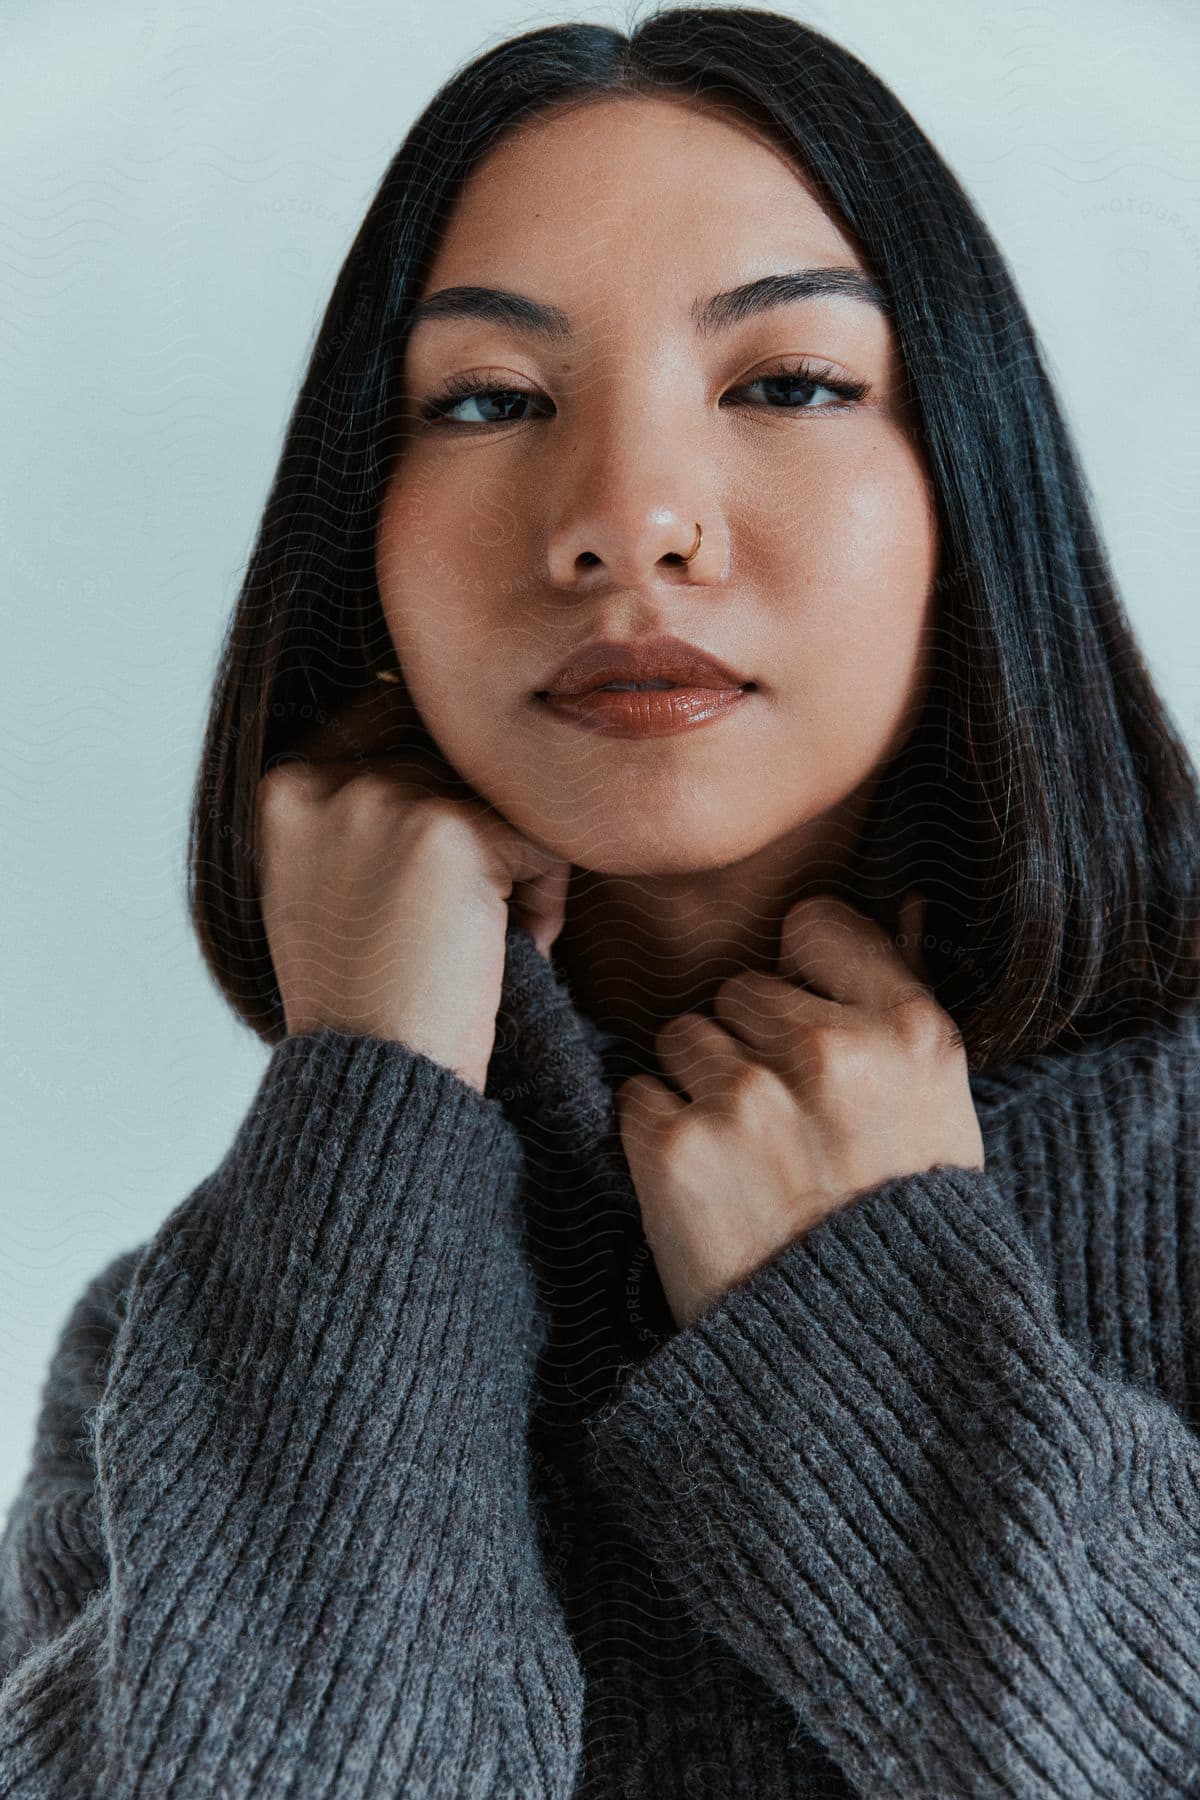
point(794, 1103)
point(387, 885)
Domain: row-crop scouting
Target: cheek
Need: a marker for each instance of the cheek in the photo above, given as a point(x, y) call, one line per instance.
point(867, 525)
point(893, 529)
point(864, 559)
point(433, 600)
point(868, 551)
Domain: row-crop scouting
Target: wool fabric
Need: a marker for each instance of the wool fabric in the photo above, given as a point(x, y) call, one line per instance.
point(381, 1469)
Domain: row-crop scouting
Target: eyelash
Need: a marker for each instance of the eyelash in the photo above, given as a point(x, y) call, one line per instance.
point(467, 387)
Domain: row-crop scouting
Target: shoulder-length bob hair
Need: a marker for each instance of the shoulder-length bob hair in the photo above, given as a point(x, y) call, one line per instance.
point(1044, 803)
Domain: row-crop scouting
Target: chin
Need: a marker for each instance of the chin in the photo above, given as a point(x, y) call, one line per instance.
point(647, 867)
point(655, 848)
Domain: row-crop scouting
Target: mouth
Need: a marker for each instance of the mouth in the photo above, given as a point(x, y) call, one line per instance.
point(627, 709)
point(648, 665)
point(649, 687)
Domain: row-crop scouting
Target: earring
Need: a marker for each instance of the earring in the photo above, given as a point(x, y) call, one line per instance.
point(387, 674)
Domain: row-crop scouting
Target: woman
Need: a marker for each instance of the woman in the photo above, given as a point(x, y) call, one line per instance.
point(706, 1296)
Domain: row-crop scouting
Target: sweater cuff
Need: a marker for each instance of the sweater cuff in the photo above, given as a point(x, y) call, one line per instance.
point(794, 1455)
point(366, 1184)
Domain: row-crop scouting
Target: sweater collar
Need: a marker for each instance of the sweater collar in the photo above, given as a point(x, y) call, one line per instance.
point(548, 1070)
point(1082, 1143)
point(548, 1059)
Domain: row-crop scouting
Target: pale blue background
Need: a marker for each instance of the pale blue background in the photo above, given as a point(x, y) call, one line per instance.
point(179, 186)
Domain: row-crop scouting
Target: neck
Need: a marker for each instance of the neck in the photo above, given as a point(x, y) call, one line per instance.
point(639, 950)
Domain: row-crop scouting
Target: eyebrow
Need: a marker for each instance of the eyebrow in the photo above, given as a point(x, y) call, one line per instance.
point(732, 306)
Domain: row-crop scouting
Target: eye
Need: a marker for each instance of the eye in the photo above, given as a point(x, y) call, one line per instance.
point(808, 377)
point(460, 390)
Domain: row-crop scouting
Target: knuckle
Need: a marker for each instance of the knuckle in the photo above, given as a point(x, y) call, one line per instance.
point(282, 777)
point(826, 1054)
point(682, 1142)
point(917, 1019)
point(831, 1058)
point(281, 792)
point(674, 1137)
point(435, 818)
point(367, 792)
point(751, 1087)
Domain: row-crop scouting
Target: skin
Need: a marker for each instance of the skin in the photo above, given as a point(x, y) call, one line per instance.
point(504, 546)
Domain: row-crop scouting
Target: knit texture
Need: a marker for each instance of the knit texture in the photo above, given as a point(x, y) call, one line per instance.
point(381, 1468)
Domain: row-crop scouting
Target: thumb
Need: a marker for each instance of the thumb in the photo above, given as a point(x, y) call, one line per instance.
point(539, 903)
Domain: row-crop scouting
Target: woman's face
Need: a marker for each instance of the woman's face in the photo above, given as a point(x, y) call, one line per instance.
point(517, 530)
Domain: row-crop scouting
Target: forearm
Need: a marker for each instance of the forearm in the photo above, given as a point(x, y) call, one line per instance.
point(880, 1473)
point(310, 1468)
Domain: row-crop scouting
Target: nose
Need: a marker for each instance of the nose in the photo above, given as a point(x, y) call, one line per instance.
point(626, 524)
point(628, 557)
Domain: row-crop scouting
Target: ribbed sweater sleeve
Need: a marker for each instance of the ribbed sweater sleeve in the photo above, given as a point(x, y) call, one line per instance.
point(276, 1538)
point(877, 1470)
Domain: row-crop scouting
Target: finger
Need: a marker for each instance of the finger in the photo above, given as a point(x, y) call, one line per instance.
point(642, 1102)
point(911, 934)
point(764, 1013)
point(844, 955)
point(699, 1056)
point(539, 903)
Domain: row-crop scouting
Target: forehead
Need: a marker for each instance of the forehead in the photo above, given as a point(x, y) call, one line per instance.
point(611, 185)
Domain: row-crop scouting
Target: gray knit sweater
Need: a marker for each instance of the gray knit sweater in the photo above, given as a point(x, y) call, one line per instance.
point(381, 1470)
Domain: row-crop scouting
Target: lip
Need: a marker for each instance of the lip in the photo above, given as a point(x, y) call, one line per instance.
point(648, 713)
point(646, 659)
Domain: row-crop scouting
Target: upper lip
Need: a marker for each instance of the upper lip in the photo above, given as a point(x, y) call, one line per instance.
point(647, 659)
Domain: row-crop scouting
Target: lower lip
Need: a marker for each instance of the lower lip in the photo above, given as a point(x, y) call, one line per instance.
point(652, 712)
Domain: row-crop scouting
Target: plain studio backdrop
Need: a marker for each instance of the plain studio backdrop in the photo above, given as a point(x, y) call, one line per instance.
point(180, 184)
